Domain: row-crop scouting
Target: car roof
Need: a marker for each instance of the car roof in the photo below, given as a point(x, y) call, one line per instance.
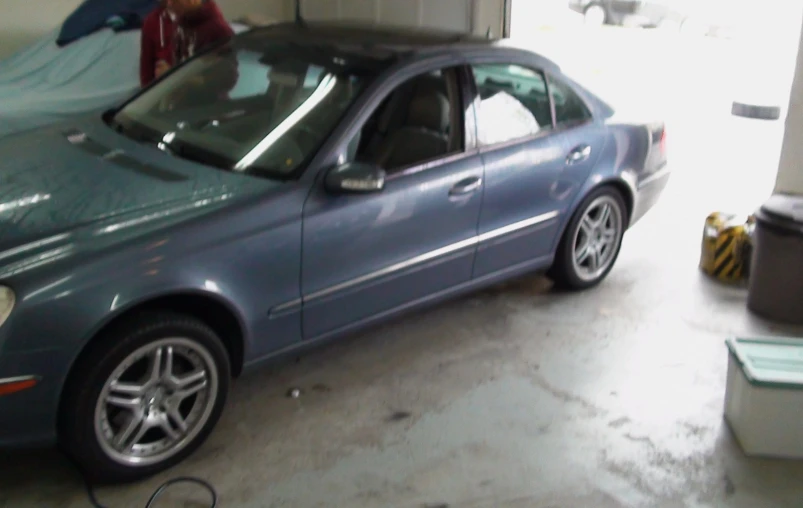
point(388, 39)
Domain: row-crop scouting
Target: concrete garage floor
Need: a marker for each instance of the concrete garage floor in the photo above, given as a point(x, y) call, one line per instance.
point(516, 396)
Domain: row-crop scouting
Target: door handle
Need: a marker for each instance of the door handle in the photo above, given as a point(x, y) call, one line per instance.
point(579, 154)
point(466, 186)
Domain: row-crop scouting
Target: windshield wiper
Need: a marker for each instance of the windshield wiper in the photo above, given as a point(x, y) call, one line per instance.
point(195, 154)
point(133, 132)
point(115, 125)
point(271, 172)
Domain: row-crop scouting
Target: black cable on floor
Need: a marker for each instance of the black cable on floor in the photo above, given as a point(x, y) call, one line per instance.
point(90, 491)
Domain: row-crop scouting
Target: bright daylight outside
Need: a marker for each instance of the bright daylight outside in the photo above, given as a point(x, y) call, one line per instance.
point(688, 61)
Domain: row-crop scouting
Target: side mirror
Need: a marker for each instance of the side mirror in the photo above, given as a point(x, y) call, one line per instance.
point(355, 177)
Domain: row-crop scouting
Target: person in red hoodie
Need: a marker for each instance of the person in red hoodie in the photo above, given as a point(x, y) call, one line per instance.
point(177, 30)
point(156, 44)
point(200, 24)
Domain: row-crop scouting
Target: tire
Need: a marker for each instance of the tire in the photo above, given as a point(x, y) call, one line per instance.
point(595, 15)
point(572, 275)
point(119, 366)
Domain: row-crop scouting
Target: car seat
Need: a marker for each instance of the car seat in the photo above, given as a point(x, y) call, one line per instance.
point(423, 136)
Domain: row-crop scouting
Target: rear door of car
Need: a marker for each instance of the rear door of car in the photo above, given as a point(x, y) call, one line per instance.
point(581, 137)
point(539, 143)
point(523, 165)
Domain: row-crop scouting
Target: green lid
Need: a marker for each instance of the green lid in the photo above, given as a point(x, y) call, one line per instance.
point(770, 361)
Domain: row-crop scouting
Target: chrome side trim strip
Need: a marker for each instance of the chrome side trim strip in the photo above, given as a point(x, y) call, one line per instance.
point(423, 258)
point(18, 379)
point(512, 228)
point(285, 308)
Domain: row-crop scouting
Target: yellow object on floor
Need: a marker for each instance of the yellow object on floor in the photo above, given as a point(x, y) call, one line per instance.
point(726, 246)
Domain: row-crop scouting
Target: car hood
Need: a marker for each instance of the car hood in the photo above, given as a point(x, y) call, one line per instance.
point(85, 180)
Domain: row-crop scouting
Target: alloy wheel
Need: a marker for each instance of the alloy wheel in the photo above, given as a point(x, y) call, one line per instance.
point(597, 238)
point(156, 402)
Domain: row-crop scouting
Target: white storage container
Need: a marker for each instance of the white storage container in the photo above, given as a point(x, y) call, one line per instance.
point(764, 395)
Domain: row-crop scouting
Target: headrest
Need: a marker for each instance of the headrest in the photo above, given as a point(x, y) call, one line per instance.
point(289, 74)
point(429, 110)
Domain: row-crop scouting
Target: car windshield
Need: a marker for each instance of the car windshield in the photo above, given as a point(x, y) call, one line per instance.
point(254, 105)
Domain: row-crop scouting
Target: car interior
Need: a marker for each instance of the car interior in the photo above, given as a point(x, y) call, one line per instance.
point(530, 92)
point(243, 96)
point(413, 124)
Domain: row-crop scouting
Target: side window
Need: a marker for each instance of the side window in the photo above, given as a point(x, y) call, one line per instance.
point(569, 107)
point(513, 103)
point(420, 121)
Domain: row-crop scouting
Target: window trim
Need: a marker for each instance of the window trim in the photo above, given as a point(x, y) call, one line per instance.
point(552, 110)
point(476, 93)
point(429, 164)
point(574, 123)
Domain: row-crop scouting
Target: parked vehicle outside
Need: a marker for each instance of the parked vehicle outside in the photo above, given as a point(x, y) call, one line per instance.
point(708, 17)
point(285, 188)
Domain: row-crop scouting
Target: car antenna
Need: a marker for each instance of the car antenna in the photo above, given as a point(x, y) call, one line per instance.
point(299, 18)
point(488, 33)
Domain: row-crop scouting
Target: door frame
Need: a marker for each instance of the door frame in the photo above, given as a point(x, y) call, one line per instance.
point(351, 126)
point(384, 85)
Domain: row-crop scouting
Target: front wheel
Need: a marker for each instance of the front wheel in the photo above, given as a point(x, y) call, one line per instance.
point(144, 397)
point(591, 242)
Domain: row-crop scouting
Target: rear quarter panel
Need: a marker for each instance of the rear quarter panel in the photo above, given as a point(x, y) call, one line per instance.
point(631, 159)
point(633, 162)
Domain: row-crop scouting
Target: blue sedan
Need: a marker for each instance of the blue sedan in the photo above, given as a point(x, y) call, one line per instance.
point(287, 187)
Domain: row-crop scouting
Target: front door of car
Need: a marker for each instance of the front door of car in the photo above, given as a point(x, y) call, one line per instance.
point(368, 254)
point(523, 165)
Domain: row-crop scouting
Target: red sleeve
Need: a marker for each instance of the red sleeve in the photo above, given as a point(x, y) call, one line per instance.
point(147, 56)
point(214, 32)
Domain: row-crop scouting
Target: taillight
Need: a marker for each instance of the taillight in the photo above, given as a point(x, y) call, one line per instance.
point(663, 141)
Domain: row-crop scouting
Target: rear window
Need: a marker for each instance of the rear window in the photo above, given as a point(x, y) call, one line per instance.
point(570, 109)
point(514, 103)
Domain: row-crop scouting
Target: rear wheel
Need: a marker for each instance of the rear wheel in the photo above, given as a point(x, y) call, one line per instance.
point(591, 242)
point(595, 15)
point(144, 397)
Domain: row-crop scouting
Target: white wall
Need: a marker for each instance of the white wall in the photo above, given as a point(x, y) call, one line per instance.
point(489, 14)
point(458, 15)
point(790, 168)
point(24, 21)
